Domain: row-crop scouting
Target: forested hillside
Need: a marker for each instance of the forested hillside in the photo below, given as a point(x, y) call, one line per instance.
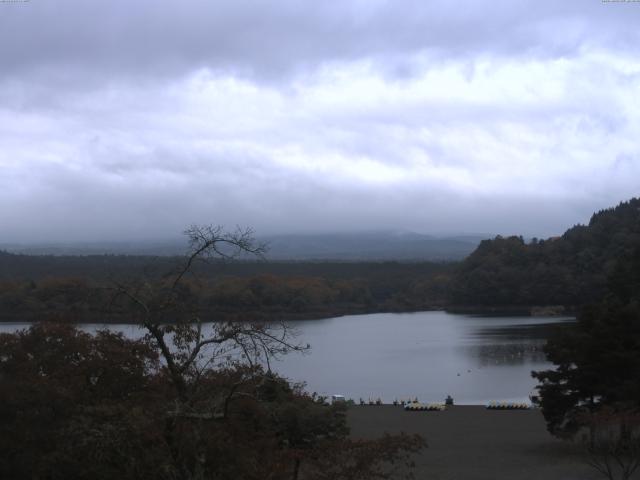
point(570, 270)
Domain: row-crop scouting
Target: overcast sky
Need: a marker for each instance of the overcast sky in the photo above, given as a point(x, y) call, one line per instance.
point(128, 119)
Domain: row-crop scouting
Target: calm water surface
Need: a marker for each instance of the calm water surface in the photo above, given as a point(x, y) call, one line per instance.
point(424, 354)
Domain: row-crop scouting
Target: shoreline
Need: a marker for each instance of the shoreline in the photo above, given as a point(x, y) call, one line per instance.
point(260, 316)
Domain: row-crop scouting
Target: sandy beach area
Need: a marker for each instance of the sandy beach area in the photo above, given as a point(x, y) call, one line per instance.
point(471, 442)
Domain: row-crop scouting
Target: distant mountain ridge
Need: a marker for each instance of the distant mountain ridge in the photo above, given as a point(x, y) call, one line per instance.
point(370, 246)
point(363, 246)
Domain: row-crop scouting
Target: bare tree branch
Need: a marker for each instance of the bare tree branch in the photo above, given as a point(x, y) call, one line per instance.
point(181, 342)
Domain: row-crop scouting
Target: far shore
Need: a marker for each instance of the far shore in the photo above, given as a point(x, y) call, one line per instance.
point(514, 310)
point(275, 316)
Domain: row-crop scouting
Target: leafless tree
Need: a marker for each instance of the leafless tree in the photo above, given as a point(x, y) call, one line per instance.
point(612, 443)
point(190, 347)
point(186, 343)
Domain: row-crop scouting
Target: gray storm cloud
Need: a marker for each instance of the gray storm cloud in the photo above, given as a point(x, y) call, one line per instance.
point(267, 37)
point(133, 119)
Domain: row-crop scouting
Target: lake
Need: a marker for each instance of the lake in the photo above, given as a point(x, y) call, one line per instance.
point(475, 359)
point(426, 354)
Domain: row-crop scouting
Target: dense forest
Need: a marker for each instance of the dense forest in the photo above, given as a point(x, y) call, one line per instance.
point(80, 287)
point(569, 270)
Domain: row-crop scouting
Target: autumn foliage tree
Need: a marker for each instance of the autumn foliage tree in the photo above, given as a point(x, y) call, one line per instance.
point(72, 404)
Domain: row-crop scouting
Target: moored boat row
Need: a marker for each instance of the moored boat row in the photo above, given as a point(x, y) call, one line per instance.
point(508, 406)
point(424, 407)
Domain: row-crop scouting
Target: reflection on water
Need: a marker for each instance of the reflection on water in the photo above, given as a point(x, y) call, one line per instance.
point(505, 354)
point(527, 331)
point(423, 354)
point(517, 344)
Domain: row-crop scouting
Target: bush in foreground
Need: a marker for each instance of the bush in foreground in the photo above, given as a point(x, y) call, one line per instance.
point(75, 405)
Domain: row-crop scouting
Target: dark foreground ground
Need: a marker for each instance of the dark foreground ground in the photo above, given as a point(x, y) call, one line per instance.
point(470, 442)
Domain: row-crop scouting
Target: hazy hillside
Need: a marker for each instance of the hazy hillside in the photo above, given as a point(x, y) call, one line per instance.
point(384, 245)
point(371, 246)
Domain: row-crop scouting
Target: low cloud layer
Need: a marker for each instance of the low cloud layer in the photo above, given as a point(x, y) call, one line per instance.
point(123, 120)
